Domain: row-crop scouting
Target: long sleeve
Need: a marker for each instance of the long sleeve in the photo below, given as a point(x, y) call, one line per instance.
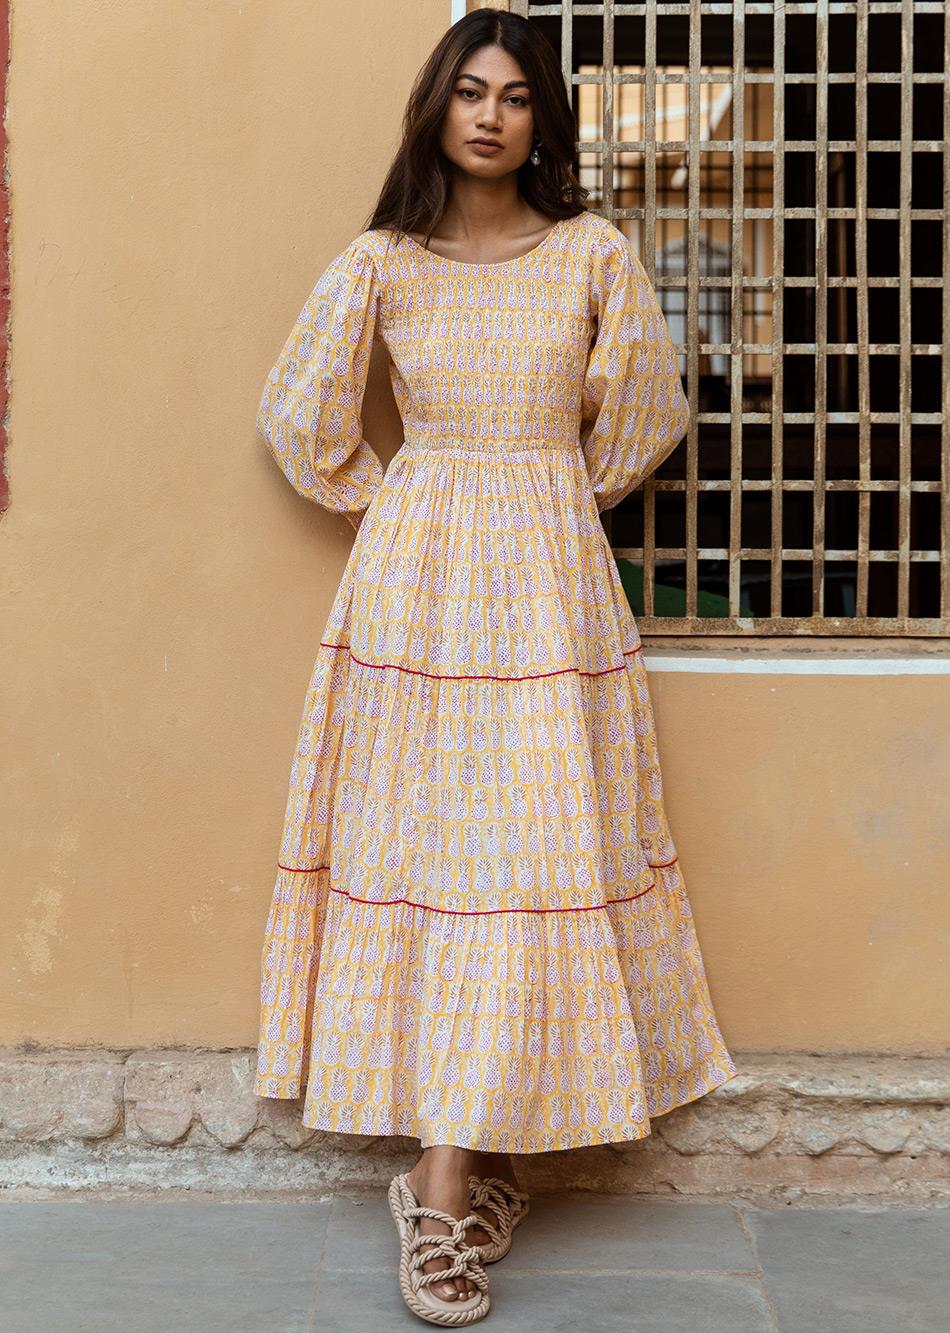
point(310, 410)
point(634, 411)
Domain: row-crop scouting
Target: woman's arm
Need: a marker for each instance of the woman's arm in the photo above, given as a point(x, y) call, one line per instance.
point(634, 410)
point(310, 410)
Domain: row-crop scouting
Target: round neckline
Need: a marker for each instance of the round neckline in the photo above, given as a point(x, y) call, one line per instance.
point(498, 263)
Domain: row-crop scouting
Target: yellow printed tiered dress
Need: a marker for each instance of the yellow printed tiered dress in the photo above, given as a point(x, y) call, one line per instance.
point(480, 933)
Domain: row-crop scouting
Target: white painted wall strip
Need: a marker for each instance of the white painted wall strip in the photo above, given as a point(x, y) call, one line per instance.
point(458, 11)
point(801, 666)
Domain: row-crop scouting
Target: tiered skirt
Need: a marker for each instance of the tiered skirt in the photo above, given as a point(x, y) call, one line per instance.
point(480, 932)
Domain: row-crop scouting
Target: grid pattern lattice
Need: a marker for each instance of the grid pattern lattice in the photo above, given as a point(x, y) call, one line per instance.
point(781, 170)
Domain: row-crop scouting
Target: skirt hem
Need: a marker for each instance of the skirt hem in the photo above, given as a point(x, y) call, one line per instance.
point(463, 1136)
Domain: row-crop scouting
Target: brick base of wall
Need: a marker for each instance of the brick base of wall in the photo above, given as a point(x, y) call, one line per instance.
point(788, 1128)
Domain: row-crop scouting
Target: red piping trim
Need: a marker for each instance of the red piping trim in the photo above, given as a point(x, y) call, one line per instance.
point(431, 675)
point(494, 911)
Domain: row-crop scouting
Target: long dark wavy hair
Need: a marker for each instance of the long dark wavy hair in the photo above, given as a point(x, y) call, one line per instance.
point(417, 186)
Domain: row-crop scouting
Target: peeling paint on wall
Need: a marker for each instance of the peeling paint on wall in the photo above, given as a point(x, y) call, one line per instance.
point(40, 928)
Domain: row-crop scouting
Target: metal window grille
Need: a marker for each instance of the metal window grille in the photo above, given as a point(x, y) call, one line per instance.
point(781, 169)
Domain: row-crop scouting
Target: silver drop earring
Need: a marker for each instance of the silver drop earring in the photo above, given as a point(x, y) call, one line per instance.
point(535, 155)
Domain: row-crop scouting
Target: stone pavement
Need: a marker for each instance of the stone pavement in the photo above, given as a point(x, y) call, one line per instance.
point(594, 1263)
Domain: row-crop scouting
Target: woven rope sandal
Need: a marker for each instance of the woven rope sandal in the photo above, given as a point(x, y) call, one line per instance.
point(510, 1207)
point(415, 1285)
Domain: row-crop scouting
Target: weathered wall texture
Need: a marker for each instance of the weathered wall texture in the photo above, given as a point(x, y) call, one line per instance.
point(181, 173)
point(789, 1128)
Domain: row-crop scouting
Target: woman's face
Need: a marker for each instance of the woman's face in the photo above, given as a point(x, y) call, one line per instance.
point(490, 100)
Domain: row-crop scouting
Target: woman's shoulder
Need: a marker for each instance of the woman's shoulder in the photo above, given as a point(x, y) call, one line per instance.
point(378, 242)
point(354, 261)
point(365, 259)
point(375, 253)
point(607, 239)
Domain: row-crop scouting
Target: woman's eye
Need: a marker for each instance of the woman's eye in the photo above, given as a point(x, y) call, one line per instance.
point(463, 92)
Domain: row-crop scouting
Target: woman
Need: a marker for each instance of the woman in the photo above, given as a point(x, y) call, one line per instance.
point(480, 935)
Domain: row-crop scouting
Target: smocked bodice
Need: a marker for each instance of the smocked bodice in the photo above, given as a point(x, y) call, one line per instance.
point(565, 347)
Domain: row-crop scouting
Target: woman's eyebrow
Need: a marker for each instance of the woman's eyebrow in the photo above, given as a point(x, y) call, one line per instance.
point(512, 83)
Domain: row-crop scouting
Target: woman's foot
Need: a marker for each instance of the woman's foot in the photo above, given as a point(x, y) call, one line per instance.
point(440, 1180)
point(495, 1164)
point(488, 1164)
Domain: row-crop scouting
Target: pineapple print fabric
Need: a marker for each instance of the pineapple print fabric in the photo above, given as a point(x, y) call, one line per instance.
point(480, 933)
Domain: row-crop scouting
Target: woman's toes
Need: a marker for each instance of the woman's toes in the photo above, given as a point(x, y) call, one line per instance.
point(447, 1290)
point(453, 1288)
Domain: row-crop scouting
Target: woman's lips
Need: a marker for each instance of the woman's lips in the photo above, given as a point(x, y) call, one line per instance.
point(485, 149)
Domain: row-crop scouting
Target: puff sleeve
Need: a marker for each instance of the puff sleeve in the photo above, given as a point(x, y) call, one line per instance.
point(309, 412)
point(634, 411)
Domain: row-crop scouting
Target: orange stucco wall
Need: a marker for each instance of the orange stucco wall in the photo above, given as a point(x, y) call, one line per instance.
point(180, 175)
